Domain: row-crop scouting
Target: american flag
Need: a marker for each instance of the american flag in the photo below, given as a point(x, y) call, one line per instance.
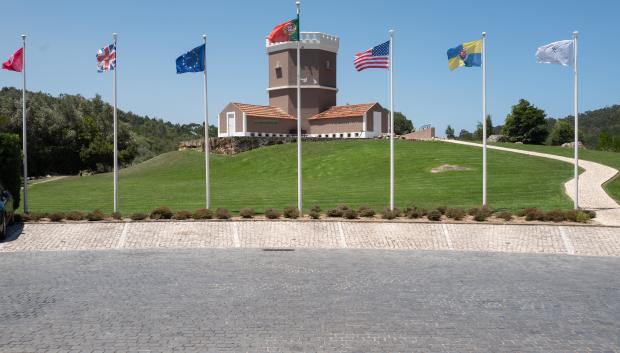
point(106, 58)
point(373, 58)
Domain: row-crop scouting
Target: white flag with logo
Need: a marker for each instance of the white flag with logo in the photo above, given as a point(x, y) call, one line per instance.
point(561, 52)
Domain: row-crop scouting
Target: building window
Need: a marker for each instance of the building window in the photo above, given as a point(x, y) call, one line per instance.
point(328, 65)
point(252, 134)
point(260, 135)
point(357, 134)
point(349, 135)
point(341, 135)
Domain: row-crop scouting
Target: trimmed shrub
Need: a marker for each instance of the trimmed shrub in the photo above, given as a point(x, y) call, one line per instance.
point(389, 214)
point(138, 216)
point(582, 217)
point(472, 211)
point(335, 212)
point(37, 216)
point(571, 215)
point(413, 213)
point(316, 208)
point(366, 212)
point(456, 214)
point(534, 214)
point(590, 213)
point(21, 217)
point(291, 212)
point(56, 216)
point(74, 216)
point(95, 215)
point(434, 215)
point(182, 215)
point(343, 207)
point(247, 213)
point(314, 214)
point(350, 214)
point(202, 213)
point(555, 216)
point(272, 213)
point(117, 215)
point(161, 213)
point(480, 216)
point(11, 165)
point(505, 215)
point(222, 213)
point(442, 209)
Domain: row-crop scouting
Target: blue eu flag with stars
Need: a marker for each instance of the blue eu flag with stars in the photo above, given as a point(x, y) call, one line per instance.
point(192, 61)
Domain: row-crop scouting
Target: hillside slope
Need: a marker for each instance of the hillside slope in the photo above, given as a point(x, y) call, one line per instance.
point(352, 172)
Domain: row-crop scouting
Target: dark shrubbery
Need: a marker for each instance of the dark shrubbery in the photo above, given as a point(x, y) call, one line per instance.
point(434, 215)
point(11, 165)
point(138, 216)
point(505, 215)
point(390, 214)
point(316, 208)
point(533, 214)
point(442, 209)
point(161, 213)
point(74, 216)
point(413, 213)
point(472, 211)
point(202, 213)
point(365, 211)
point(22, 217)
point(456, 214)
point(335, 212)
point(590, 213)
point(36, 216)
point(96, 215)
point(117, 216)
point(56, 216)
point(291, 212)
point(272, 213)
point(350, 214)
point(555, 216)
point(582, 217)
point(247, 213)
point(314, 214)
point(182, 215)
point(343, 207)
point(222, 213)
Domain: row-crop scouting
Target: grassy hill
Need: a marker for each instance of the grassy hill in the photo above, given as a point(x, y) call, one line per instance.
point(611, 159)
point(351, 172)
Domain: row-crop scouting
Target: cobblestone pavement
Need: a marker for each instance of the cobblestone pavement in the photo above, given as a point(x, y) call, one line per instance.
point(519, 238)
point(591, 192)
point(248, 300)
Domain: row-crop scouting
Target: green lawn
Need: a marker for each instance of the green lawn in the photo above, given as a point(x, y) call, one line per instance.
point(611, 159)
point(354, 172)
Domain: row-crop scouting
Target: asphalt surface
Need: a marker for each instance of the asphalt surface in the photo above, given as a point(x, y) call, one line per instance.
point(307, 300)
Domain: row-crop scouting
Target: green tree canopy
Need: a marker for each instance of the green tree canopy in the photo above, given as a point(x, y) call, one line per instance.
point(402, 125)
point(526, 124)
point(562, 132)
point(11, 165)
point(450, 132)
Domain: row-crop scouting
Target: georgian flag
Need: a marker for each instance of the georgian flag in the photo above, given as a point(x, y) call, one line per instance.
point(562, 53)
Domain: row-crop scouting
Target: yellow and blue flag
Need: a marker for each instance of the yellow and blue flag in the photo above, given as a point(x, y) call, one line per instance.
point(467, 54)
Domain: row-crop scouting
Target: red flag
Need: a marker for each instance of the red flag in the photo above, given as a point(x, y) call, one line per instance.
point(15, 62)
point(285, 32)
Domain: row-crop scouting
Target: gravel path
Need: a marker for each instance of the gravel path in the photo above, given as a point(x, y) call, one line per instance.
point(591, 193)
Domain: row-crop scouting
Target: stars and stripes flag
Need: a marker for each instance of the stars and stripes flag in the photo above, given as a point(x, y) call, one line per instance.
point(374, 58)
point(106, 58)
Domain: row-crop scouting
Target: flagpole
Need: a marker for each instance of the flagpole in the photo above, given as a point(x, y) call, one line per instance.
point(576, 107)
point(207, 150)
point(24, 135)
point(114, 35)
point(484, 120)
point(299, 188)
point(391, 31)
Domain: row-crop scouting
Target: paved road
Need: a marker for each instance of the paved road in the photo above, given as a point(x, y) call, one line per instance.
point(591, 192)
point(307, 300)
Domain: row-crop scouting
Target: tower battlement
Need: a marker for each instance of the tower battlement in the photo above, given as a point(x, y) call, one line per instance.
point(309, 40)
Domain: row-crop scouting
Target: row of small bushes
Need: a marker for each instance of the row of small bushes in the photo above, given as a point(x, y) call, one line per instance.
point(342, 211)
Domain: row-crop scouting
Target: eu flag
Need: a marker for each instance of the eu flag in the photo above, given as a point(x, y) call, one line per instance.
point(192, 61)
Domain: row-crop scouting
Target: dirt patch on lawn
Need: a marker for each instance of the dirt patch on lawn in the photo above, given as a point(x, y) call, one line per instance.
point(449, 168)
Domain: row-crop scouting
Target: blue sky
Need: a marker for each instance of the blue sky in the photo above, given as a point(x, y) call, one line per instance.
point(65, 35)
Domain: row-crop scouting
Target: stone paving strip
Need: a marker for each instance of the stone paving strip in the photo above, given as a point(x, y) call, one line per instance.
point(327, 234)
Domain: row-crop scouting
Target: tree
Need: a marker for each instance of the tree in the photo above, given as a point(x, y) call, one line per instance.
point(11, 165)
point(212, 131)
point(450, 132)
point(526, 123)
point(465, 135)
point(562, 132)
point(401, 124)
point(478, 132)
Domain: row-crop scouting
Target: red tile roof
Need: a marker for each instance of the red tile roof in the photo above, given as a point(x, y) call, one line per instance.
point(263, 111)
point(344, 111)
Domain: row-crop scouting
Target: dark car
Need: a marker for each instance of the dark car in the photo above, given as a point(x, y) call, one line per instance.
point(6, 211)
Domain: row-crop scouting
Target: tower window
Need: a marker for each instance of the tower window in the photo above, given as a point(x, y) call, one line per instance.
point(328, 65)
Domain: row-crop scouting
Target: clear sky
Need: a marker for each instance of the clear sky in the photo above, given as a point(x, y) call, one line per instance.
point(64, 36)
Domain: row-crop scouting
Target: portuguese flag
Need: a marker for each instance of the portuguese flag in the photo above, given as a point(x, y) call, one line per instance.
point(285, 32)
